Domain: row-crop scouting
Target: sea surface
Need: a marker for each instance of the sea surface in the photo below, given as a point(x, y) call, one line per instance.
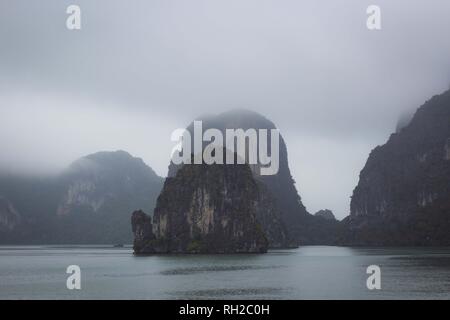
point(310, 272)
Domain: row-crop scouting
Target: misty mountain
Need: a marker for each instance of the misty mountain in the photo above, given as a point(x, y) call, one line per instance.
point(302, 227)
point(87, 203)
point(403, 194)
point(404, 120)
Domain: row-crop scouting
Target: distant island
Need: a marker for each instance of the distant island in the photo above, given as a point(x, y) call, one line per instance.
point(88, 203)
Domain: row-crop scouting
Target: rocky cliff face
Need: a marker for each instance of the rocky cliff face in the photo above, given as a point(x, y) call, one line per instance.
point(302, 227)
point(270, 217)
point(403, 194)
point(211, 209)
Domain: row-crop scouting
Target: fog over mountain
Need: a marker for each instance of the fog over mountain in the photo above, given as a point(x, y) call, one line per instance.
point(138, 70)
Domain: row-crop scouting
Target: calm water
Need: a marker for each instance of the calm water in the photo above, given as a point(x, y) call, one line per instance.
point(306, 273)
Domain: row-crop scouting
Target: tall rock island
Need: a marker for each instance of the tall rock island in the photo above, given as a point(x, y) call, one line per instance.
point(301, 227)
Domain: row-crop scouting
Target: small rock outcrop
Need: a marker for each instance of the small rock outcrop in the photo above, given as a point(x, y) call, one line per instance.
point(325, 214)
point(218, 208)
point(141, 225)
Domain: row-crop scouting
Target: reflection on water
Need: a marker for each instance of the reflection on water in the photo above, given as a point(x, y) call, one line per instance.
point(312, 272)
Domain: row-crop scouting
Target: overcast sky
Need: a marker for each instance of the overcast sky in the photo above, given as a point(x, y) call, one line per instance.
point(137, 70)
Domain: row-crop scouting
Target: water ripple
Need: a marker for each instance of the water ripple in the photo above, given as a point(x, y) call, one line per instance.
point(226, 292)
point(193, 270)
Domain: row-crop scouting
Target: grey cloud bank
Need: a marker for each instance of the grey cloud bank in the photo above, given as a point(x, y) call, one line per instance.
point(138, 70)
